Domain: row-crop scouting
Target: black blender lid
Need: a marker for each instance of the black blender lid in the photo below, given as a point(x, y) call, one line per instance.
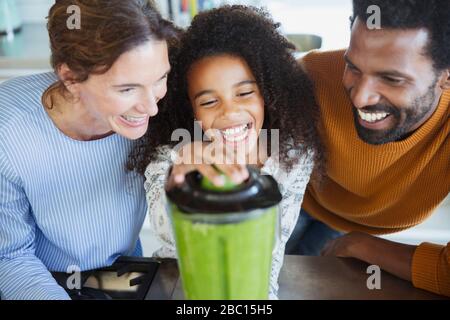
point(258, 192)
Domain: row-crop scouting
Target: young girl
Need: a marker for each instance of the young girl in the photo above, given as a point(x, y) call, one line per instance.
point(235, 73)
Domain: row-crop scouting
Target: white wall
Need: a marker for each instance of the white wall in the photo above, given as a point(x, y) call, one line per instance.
point(328, 19)
point(435, 229)
point(33, 11)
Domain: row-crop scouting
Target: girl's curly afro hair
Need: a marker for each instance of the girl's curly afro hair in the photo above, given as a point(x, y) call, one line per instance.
point(251, 34)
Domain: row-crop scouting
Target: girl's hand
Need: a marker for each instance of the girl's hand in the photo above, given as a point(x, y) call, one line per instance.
point(199, 156)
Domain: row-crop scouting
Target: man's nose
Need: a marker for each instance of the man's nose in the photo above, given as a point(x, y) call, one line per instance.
point(363, 94)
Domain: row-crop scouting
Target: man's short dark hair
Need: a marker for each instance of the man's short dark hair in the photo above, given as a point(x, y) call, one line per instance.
point(433, 15)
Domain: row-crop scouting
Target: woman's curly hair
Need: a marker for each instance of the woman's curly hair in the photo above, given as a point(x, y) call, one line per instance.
point(251, 34)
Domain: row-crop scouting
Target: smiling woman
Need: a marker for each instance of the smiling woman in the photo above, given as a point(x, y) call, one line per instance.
point(120, 100)
point(65, 197)
point(110, 77)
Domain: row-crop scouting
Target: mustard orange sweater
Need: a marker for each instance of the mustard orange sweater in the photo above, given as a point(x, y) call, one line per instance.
point(380, 189)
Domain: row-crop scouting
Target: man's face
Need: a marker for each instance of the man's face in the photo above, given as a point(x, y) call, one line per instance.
point(391, 82)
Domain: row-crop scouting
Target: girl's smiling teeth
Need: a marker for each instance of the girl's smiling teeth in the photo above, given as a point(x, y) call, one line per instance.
point(236, 133)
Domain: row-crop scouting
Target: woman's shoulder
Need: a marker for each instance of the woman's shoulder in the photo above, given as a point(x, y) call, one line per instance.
point(21, 96)
point(30, 85)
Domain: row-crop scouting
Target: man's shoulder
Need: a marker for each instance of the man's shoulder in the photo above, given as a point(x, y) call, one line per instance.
point(326, 70)
point(322, 65)
point(318, 57)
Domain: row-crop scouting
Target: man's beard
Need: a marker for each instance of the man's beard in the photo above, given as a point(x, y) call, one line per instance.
point(402, 129)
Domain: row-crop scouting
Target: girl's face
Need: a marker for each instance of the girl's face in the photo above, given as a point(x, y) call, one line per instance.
point(224, 96)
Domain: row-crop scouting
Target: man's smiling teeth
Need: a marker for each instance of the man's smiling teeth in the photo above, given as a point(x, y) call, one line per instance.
point(373, 117)
point(134, 119)
point(235, 134)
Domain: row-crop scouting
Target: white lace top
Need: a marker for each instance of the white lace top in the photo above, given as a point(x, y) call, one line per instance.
point(292, 186)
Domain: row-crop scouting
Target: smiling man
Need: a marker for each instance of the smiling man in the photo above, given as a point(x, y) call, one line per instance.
point(385, 123)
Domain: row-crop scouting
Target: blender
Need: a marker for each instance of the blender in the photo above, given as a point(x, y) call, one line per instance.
point(225, 236)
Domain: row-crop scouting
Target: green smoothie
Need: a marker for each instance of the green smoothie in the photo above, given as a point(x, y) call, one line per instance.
point(225, 236)
point(225, 258)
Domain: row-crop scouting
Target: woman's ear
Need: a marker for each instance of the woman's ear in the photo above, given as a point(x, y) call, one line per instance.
point(445, 80)
point(67, 77)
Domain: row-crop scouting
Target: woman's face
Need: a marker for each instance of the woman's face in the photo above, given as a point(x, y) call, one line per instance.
point(123, 99)
point(225, 96)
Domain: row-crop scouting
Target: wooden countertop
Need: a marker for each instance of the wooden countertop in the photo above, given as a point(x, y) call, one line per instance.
point(309, 278)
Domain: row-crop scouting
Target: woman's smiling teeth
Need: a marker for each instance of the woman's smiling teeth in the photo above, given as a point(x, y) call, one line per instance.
point(236, 134)
point(373, 117)
point(135, 120)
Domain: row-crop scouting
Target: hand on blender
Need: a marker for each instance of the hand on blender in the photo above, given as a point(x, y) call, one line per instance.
point(217, 166)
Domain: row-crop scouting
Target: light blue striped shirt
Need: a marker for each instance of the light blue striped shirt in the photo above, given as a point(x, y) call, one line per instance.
point(63, 202)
